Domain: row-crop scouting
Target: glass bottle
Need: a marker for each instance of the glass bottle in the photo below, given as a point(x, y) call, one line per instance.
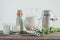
point(19, 20)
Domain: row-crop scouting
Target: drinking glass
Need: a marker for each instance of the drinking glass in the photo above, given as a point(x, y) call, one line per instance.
point(6, 29)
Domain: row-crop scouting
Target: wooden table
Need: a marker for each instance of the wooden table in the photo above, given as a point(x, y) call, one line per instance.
point(27, 37)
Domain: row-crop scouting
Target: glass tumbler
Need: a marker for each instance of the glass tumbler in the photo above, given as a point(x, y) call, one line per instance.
point(6, 29)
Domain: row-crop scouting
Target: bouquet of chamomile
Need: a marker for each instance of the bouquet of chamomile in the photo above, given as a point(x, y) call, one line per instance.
point(45, 31)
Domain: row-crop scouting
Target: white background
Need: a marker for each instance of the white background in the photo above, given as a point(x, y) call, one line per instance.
point(8, 9)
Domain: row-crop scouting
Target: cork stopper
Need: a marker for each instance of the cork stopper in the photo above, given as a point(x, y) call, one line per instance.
point(19, 13)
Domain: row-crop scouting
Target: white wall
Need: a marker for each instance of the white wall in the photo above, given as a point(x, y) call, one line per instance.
point(8, 9)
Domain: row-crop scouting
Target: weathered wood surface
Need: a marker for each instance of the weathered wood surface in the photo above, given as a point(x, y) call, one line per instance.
point(29, 37)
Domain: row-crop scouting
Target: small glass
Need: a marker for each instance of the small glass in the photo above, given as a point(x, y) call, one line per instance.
point(6, 29)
